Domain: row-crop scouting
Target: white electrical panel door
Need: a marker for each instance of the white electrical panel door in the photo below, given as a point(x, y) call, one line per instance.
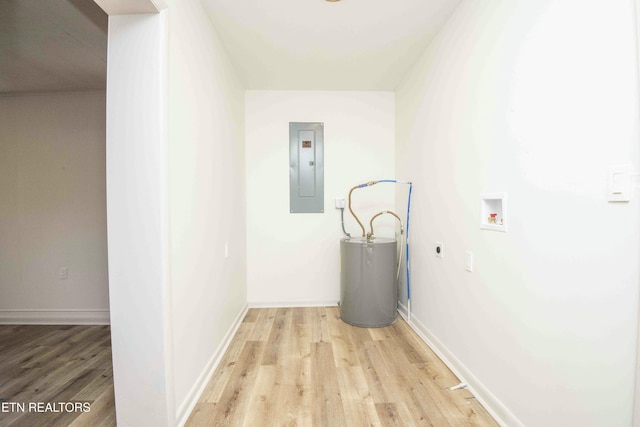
point(306, 167)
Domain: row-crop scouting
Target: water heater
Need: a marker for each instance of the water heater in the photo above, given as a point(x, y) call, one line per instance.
point(368, 281)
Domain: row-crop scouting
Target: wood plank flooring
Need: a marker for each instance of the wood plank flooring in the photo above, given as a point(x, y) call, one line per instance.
point(53, 364)
point(284, 367)
point(305, 367)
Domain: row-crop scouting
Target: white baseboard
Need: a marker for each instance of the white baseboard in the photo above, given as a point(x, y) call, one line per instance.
point(495, 407)
point(54, 317)
point(194, 394)
point(283, 304)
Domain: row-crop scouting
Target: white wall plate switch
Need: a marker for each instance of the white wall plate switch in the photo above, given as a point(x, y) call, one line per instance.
point(468, 260)
point(619, 184)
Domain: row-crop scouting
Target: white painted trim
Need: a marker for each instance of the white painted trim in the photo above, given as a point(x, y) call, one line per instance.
point(635, 417)
point(163, 94)
point(54, 317)
point(497, 409)
point(194, 394)
point(283, 304)
point(131, 7)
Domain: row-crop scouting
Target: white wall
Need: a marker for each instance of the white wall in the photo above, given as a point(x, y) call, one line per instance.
point(175, 197)
point(207, 197)
point(138, 220)
point(293, 259)
point(53, 208)
point(537, 99)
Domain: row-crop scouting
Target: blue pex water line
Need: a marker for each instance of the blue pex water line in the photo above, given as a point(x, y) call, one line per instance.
point(370, 183)
point(406, 240)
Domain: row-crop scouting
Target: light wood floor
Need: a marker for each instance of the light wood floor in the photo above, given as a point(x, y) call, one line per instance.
point(53, 364)
point(303, 366)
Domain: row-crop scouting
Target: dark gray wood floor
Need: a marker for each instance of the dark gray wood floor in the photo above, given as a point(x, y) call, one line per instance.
point(68, 367)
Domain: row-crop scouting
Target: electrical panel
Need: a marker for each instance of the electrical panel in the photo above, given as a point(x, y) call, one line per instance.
point(306, 167)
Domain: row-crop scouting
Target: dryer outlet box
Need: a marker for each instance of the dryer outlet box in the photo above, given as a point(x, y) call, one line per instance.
point(437, 249)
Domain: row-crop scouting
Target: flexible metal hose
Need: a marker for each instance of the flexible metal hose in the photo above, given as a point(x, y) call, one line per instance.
point(342, 219)
point(364, 232)
point(370, 236)
point(382, 213)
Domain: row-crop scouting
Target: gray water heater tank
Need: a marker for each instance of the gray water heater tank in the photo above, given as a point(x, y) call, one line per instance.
point(368, 283)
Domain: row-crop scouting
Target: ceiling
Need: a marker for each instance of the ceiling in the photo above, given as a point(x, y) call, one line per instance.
point(60, 45)
point(52, 46)
point(321, 45)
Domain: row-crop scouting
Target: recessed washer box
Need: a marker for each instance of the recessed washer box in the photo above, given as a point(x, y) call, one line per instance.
point(493, 211)
point(306, 167)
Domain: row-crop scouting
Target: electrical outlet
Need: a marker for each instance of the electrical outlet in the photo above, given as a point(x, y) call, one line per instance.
point(437, 249)
point(340, 203)
point(63, 273)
